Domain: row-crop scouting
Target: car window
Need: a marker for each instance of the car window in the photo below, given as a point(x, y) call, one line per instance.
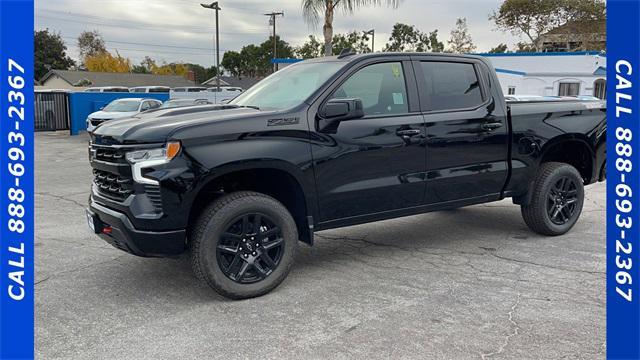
point(159, 90)
point(381, 87)
point(145, 106)
point(122, 106)
point(451, 86)
point(155, 104)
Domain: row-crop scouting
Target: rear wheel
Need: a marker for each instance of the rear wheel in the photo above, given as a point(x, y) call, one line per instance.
point(243, 245)
point(557, 199)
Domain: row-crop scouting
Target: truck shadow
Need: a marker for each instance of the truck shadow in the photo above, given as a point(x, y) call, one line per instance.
point(473, 229)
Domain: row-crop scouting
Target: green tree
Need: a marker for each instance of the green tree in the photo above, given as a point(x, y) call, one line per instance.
point(49, 53)
point(436, 45)
point(313, 10)
point(407, 38)
point(529, 17)
point(312, 48)
point(588, 20)
point(90, 43)
point(252, 61)
point(460, 41)
point(139, 69)
point(353, 40)
point(502, 48)
point(533, 18)
point(200, 73)
point(525, 47)
point(146, 66)
point(232, 62)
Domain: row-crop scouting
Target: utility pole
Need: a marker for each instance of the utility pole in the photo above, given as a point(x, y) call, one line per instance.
point(216, 7)
point(371, 32)
point(272, 21)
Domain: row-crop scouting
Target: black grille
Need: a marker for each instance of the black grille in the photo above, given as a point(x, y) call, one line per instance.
point(110, 155)
point(153, 193)
point(96, 122)
point(112, 185)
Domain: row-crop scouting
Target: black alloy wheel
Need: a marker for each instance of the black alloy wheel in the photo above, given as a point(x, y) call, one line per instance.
point(562, 200)
point(243, 244)
point(250, 248)
point(556, 199)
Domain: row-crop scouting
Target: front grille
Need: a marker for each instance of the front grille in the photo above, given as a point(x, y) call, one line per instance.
point(110, 155)
point(96, 122)
point(112, 185)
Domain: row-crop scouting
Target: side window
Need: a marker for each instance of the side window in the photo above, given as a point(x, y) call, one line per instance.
point(381, 87)
point(154, 105)
point(145, 106)
point(569, 89)
point(451, 86)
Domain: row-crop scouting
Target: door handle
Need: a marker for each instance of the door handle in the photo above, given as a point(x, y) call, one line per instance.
point(408, 132)
point(491, 126)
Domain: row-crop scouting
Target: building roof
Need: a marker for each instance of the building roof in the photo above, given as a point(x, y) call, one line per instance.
point(244, 82)
point(96, 79)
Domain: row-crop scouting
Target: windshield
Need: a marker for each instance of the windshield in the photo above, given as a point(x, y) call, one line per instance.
point(288, 87)
point(122, 106)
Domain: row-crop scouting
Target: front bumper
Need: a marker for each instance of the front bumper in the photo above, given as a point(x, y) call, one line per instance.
point(124, 236)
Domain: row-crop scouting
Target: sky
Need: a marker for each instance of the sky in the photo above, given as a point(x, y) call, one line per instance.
point(183, 31)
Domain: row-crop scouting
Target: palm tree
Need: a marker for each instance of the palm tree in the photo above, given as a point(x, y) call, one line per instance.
point(312, 10)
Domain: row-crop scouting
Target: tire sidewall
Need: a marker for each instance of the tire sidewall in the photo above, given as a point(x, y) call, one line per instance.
point(548, 183)
point(221, 220)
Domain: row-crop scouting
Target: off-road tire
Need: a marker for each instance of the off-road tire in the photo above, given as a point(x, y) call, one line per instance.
point(206, 231)
point(536, 214)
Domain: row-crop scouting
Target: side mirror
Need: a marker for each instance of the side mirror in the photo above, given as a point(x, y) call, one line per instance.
point(336, 110)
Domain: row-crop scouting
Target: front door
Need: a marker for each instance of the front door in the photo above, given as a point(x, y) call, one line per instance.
point(376, 163)
point(467, 131)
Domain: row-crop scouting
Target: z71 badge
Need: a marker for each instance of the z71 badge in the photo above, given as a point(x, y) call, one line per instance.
point(283, 121)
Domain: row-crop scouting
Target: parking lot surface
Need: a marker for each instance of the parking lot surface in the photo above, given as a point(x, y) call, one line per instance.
point(472, 283)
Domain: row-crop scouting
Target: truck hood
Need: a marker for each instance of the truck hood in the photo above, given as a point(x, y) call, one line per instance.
point(157, 126)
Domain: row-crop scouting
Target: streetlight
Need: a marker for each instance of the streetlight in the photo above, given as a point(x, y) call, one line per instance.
point(216, 7)
point(371, 32)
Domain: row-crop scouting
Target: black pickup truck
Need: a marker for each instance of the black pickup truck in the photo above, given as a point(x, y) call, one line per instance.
point(334, 142)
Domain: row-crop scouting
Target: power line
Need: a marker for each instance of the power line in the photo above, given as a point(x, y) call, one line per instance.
point(149, 44)
point(147, 28)
point(110, 20)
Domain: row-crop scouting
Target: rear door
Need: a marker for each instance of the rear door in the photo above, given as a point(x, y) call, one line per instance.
point(376, 163)
point(467, 130)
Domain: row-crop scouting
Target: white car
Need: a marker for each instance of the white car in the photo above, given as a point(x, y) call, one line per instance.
point(120, 109)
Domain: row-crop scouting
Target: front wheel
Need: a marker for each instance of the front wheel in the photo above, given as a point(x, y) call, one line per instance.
point(243, 245)
point(557, 199)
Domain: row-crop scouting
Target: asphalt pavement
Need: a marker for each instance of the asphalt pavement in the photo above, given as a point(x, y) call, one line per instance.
point(472, 283)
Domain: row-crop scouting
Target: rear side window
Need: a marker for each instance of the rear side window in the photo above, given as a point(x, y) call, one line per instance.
point(451, 86)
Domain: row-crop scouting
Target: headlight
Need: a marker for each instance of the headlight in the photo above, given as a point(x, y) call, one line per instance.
point(141, 159)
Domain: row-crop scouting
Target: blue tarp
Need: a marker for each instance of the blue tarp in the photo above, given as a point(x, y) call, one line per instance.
point(81, 104)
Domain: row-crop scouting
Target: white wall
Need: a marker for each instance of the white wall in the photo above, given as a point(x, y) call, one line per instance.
point(544, 73)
